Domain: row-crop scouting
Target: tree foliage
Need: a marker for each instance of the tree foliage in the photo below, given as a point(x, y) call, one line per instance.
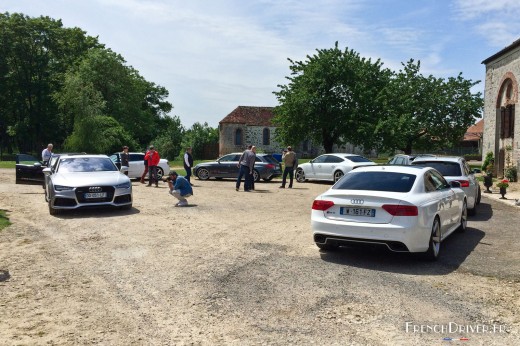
point(330, 99)
point(198, 136)
point(168, 143)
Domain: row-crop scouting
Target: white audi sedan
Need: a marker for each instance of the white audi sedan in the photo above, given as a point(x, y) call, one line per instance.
point(405, 208)
point(330, 167)
point(86, 181)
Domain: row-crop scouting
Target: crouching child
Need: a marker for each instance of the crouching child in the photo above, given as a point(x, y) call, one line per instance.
point(180, 188)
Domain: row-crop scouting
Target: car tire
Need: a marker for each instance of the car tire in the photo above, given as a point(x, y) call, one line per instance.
point(53, 211)
point(338, 175)
point(256, 175)
point(479, 195)
point(46, 196)
point(463, 219)
point(159, 173)
point(327, 247)
point(434, 244)
point(203, 174)
point(268, 179)
point(300, 175)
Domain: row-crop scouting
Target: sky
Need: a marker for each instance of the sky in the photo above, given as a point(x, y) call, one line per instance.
point(215, 55)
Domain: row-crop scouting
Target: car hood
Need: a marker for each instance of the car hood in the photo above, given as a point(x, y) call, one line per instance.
point(89, 178)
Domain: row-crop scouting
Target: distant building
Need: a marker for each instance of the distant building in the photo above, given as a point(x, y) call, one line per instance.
point(502, 127)
point(253, 125)
point(473, 138)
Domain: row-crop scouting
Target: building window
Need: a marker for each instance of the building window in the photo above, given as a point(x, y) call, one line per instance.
point(238, 137)
point(266, 136)
point(507, 119)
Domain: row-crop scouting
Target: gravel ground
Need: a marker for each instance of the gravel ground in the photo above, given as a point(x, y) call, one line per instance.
point(239, 268)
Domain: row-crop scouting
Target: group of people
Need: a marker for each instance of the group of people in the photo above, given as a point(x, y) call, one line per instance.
point(246, 165)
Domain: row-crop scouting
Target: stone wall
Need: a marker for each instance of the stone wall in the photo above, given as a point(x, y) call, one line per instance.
point(502, 68)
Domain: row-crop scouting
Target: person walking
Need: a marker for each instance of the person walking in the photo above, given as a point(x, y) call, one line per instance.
point(188, 164)
point(46, 154)
point(246, 164)
point(289, 160)
point(153, 161)
point(125, 159)
point(145, 166)
point(180, 188)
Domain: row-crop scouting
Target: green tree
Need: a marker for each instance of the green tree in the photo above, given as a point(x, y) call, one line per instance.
point(330, 99)
point(198, 136)
point(425, 112)
point(34, 55)
point(168, 143)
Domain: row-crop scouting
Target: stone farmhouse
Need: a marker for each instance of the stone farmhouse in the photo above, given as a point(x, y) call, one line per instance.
point(501, 126)
point(253, 125)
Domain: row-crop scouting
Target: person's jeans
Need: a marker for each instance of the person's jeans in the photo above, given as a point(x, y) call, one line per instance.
point(152, 175)
point(188, 174)
point(144, 174)
point(181, 198)
point(290, 171)
point(244, 170)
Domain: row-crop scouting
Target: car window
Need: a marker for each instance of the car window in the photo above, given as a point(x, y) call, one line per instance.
point(114, 158)
point(448, 169)
point(26, 159)
point(86, 164)
point(377, 181)
point(392, 161)
point(136, 157)
point(438, 180)
point(228, 158)
point(271, 159)
point(320, 159)
point(429, 183)
point(467, 169)
point(257, 159)
point(399, 161)
point(357, 158)
point(333, 159)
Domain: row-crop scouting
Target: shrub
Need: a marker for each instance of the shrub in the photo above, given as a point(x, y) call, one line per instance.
point(489, 160)
point(511, 173)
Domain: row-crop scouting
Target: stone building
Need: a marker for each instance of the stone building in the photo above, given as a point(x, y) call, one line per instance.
point(501, 126)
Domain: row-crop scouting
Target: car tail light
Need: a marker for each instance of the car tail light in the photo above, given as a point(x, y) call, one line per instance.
point(463, 183)
point(269, 166)
point(401, 210)
point(321, 204)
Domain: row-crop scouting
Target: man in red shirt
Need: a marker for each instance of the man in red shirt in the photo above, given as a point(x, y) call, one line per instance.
point(153, 161)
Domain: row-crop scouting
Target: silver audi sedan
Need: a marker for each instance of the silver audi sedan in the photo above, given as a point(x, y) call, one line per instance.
point(81, 181)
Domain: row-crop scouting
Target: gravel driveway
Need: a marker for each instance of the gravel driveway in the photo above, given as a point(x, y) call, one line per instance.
point(241, 268)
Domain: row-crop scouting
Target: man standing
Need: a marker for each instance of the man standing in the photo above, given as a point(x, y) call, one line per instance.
point(46, 154)
point(188, 163)
point(180, 188)
point(289, 160)
point(125, 159)
point(153, 161)
point(145, 166)
point(246, 164)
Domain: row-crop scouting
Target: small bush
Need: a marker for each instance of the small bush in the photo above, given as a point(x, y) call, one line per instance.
point(511, 173)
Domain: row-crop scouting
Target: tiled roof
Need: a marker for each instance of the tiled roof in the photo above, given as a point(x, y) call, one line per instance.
point(259, 116)
point(475, 132)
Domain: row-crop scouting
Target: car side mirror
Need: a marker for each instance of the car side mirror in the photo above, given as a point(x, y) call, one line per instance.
point(476, 170)
point(124, 169)
point(455, 184)
point(37, 164)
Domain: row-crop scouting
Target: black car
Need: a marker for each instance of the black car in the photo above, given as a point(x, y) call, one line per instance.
point(29, 170)
point(266, 167)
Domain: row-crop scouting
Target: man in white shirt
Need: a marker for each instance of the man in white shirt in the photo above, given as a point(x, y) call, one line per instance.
point(46, 154)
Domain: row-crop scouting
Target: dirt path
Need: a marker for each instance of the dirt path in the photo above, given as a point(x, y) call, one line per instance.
point(239, 268)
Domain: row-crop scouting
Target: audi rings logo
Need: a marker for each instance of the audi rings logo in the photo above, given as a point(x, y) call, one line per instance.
point(357, 201)
point(95, 189)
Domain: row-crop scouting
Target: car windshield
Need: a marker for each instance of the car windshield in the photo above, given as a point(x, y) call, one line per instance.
point(357, 159)
point(448, 169)
point(376, 181)
point(86, 164)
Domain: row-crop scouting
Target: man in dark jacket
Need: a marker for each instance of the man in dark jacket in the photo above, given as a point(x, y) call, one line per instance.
point(188, 164)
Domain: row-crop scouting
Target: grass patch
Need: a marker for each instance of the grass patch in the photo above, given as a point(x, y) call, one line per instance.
point(4, 220)
point(7, 164)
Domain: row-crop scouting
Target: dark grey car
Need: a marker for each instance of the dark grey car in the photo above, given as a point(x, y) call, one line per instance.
point(266, 167)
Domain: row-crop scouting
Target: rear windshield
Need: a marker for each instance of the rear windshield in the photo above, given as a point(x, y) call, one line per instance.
point(357, 159)
point(271, 159)
point(376, 181)
point(448, 169)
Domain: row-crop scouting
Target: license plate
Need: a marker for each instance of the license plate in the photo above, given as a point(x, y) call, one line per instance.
point(357, 211)
point(95, 195)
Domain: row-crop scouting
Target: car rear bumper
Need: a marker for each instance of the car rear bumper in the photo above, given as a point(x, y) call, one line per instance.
point(394, 237)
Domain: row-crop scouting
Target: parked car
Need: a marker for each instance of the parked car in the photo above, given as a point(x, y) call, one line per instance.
point(402, 159)
point(266, 167)
point(330, 167)
point(136, 162)
point(78, 181)
point(455, 168)
point(404, 208)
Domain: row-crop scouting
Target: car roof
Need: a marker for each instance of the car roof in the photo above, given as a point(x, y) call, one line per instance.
point(416, 170)
point(438, 159)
